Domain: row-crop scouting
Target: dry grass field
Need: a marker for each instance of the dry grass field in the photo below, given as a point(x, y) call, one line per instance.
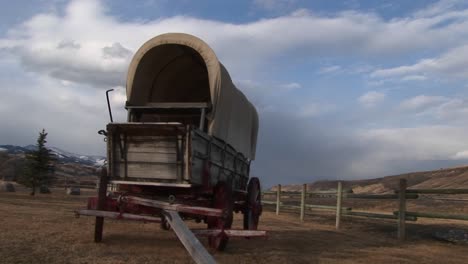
point(43, 229)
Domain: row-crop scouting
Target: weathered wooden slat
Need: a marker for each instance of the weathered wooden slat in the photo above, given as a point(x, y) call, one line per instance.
point(309, 206)
point(166, 105)
point(191, 243)
point(176, 207)
point(380, 196)
point(229, 232)
point(339, 198)
point(303, 201)
point(116, 215)
point(402, 210)
point(437, 191)
point(437, 215)
point(163, 184)
point(377, 215)
point(286, 193)
point(150, 171)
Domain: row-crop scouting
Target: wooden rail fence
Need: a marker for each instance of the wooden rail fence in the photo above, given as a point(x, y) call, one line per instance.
point(401, 195)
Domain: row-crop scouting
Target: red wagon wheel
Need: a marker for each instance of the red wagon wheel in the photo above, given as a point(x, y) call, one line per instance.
point(253, 208)
point(222, 199)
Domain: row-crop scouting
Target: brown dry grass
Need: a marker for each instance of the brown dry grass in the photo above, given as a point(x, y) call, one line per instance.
point(43, 229)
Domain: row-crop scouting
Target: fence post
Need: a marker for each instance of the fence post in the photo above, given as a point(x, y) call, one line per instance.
point(402, 211)
point(303, 198)
point(339, 196)
point(278, 200)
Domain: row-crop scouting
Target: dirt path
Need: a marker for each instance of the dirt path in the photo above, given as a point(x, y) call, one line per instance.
point(43, 229)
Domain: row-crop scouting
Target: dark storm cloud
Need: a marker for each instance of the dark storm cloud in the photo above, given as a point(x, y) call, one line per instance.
point(72, 69)
point(292, 149)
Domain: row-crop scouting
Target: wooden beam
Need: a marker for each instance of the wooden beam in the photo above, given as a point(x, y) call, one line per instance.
point(380, 196)
point(206, 211)
point(229, 232)
point(162, 184)
point(339, 197)
point(116, 215)
point(169, 106)
point(102, 193)
point(278, 199)
point(402, 210)
point(303, 196)
point(191, 243)
point(308, 206)
point(439, 215)
point(377, 215)
point(437, 191)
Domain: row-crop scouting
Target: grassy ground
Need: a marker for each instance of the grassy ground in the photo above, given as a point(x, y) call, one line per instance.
point(43, 229)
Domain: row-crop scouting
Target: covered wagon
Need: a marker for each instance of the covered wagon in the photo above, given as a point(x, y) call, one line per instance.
point(186, 147)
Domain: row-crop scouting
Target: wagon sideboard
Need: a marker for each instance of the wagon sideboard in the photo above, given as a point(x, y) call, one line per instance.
point(172, 154)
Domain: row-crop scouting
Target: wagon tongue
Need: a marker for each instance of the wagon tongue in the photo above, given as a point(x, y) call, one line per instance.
point(170, 213)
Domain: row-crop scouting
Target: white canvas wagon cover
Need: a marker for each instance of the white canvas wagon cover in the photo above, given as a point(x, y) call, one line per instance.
point(177, 68)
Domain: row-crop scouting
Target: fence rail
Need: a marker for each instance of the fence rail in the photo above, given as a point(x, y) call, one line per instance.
point(401, 195)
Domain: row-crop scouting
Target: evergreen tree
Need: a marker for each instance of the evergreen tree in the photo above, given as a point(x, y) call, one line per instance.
point(39, 165)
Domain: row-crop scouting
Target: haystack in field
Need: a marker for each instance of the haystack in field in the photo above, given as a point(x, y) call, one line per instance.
point(73, 191)
point(8, 187)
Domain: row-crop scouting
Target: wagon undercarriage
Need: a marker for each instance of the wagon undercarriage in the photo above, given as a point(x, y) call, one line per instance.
point(216, 212)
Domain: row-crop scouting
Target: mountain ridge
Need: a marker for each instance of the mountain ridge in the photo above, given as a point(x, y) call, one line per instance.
point(61, 155)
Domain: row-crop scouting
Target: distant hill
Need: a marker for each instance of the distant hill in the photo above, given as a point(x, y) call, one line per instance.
point(452, 178)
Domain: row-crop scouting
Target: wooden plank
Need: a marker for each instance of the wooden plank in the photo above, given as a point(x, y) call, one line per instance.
point(169, 105)
point(439, 215)
point(326, 207)
point(437, 191)
point(278, 199)
point(206, 211)
point(191, 243)
point(308, 206)
point(162, 184)
point(229, 232)
point(149, 171)
point(102, 191)
point(339, 197)
point(293, 193)
point(330, 192)
point(303, 195)
point(380, 196)
point(116, 215)
point(402, 210)
point(377, 215)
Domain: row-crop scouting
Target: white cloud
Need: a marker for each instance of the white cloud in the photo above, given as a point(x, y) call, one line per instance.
point(440, 109)
point(64, 46)
point(420, 143)
point(371, 99)
point(414, 78)
point(394, 147)
point(290, 86)
point(461, 155)
point(439, 7)
point(421, 101)
point(453, 63)
point(329, 69)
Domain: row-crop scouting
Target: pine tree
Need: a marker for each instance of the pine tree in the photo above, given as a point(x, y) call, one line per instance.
point(39, 165)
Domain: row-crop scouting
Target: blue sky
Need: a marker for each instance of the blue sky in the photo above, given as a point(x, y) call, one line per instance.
point(345, 90)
